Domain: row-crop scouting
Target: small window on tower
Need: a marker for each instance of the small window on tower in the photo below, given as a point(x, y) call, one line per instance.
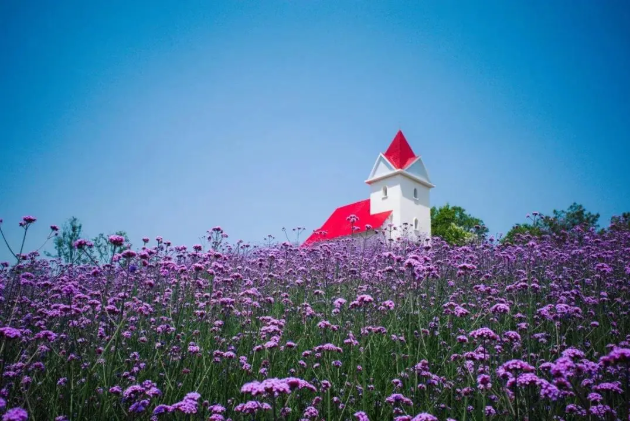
point(384, 191)
point(415, 223)
point(415, 193)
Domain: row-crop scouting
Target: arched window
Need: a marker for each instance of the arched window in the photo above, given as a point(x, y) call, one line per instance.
point(415, 223)
point(384, 191)
point(415, 193)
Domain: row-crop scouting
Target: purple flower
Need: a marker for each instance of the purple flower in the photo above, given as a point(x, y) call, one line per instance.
point(217, 409)
point(424, 417)
point(514, 366)
point(616, 356)
point(272, 387)
point(139, 406)
point(328, 347)
point(252, 407)
point(132, 391)
point(500, 309)
point(612, 387)
point(116, 240)
point(296, 383)
point(28, 219)
point(310, 412)
point(398, 398)
point(128, 254)
point(81, 243)
point(161, 409)
point(115, 390)
point(527, 379)
point(352, 219)
point(361, 416)
point(15, 414)
point(10, 332)
point(483, 382)
point(484, 333)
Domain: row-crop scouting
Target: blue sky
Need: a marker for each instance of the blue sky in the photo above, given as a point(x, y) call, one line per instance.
point(168, 118)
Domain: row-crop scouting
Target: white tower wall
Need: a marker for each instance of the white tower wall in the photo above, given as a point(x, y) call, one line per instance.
point(401, 201)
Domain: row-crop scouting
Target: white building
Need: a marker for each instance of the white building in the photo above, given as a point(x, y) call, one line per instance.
point(399, 195)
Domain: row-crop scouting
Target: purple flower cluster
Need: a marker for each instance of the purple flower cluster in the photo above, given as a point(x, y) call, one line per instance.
point(362, 328)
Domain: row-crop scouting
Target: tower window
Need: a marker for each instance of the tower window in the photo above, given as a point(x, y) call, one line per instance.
point(415, 193)
point(415, 223)
point(384, 191)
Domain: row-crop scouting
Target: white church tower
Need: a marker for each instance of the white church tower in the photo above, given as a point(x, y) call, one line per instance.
point(400, 187)
point(400, 183)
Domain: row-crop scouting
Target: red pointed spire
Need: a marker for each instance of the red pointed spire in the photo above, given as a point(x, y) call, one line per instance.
point(399, 152)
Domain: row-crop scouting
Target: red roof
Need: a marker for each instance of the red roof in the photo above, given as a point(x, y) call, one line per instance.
point(338, 225)
point(399, 152)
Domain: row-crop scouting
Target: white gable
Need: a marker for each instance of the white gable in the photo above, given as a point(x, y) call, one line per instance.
point(418, 169)
point(381, 167)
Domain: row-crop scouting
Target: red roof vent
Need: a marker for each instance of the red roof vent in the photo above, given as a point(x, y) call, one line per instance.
point(399, 152)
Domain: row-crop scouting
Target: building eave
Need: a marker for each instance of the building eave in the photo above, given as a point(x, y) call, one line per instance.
point(404, 173)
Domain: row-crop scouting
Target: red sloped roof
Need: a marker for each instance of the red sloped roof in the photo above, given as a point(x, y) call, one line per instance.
point(337, 224)
point(399, 152)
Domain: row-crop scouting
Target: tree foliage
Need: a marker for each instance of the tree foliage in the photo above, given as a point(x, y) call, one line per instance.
point(620, 222)
point(72, 230)
point(64, 242)
point(102, 250)
point(561, 224)
point(455, 226)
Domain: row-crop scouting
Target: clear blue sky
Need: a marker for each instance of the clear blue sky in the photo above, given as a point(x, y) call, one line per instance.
point(168, 118)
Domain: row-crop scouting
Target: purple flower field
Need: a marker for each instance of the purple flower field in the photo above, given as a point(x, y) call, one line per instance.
point(359, 329)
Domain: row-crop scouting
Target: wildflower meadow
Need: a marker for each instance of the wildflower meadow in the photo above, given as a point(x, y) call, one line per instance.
point(362, 328)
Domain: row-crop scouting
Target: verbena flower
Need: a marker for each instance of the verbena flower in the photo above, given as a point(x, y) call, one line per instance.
point(424, 417)
point(15, 414)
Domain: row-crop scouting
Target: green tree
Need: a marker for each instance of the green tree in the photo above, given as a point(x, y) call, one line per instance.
point(103, 249)
point(64, 242)
point(100, 250)
point(574, 216)
point(455, 226)
point(620, 222)
point(560, 224)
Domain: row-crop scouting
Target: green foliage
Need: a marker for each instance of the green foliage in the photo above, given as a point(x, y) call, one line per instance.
point(102, 250)
point(71, 231)
point(455, 226)
point(574, 216)
point(64, 242)
point(620, 222)
point(520, 231)
point(559, 224)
